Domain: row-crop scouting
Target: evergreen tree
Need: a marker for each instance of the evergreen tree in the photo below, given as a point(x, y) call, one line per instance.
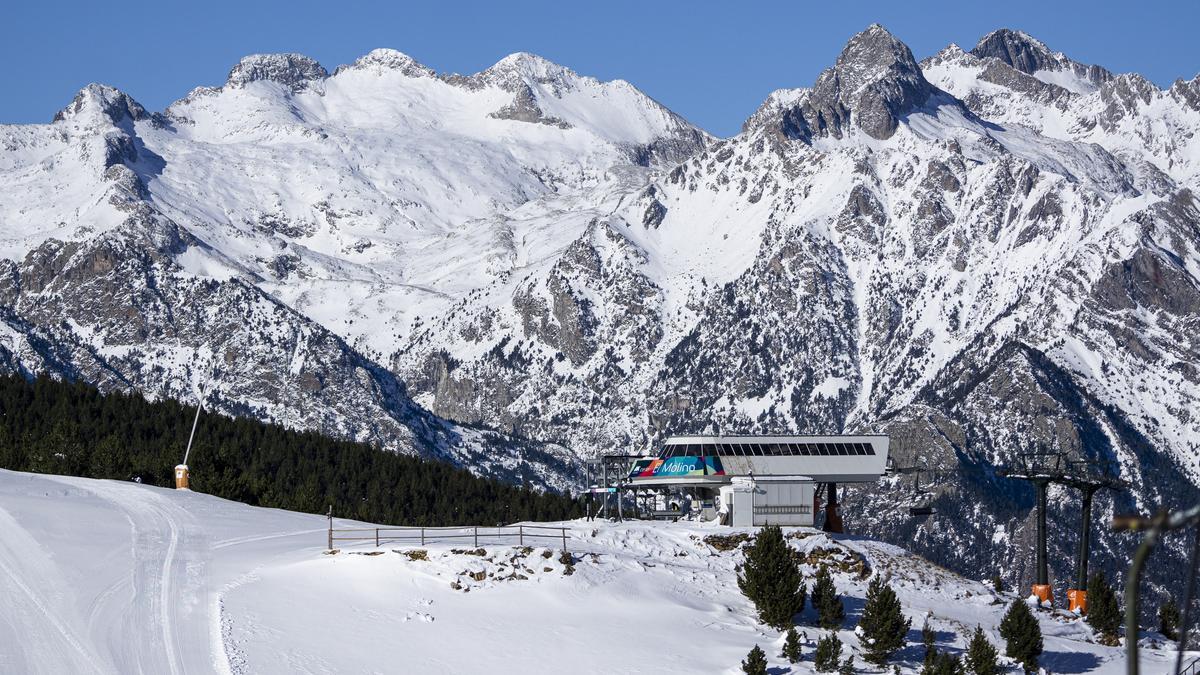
point(791, 646)
point(1104, 614)
point(771, 579)
point(830, 611)
point(756, 662)
point(829, 649)
point(997, 584)
point(928, 637)
point(883, 624)
point(981, 655)
point(1022, 635)
point(941, 663)
point(1168, 620)
point(847, 667)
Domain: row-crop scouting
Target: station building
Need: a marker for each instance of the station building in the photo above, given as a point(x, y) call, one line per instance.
point(760, 480)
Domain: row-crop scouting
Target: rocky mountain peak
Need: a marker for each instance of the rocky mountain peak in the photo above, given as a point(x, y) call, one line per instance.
point(390, 59)
point(515, 71)
point(874, 82)
point(1018, 49)
point(100, 103)
point(294, 71)
point(1030, 55)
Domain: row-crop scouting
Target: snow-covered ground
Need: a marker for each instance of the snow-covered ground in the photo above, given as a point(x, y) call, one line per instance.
point(112, 577)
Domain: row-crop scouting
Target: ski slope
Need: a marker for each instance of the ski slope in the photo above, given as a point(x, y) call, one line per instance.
point(112, 577)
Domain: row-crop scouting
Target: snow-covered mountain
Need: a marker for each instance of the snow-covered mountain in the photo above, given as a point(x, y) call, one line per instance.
point(982, 253)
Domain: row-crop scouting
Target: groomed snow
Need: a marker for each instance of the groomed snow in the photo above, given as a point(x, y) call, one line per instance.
point(114, 577)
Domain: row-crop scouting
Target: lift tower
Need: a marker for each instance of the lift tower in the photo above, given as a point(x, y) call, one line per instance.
point(1043, 468)
point(1089, 477)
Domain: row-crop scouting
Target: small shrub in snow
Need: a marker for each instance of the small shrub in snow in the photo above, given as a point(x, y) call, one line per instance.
point(830, 611)
point(847, 667)
point(417, 554)
point(771, 579)
point(1168, 620)
point(756, 662)
point(981, 655)
point(883, 624)
point(1022, 635)
point(791, 646)
point(829, 649)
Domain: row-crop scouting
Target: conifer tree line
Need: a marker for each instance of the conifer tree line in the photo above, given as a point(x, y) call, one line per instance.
point(772, 580)
point(48, 426)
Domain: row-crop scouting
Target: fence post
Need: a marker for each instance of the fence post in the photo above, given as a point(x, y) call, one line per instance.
point(422, 535)
point(329, 515)
point(377, 537)
point(476, 536)
point(564, 536)
point(520, 535)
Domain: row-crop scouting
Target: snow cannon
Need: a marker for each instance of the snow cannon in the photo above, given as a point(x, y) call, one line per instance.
point(1077, 600)
point(181, 477)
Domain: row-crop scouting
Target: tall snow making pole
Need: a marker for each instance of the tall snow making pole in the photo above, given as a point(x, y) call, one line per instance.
point(1041, 589)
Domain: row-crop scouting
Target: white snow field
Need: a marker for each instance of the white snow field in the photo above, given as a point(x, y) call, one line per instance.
point(112, 577)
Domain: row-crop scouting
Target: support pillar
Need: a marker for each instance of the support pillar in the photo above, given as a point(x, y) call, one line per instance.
point(1041, 588)
point(833, 519)
point(1077, 596)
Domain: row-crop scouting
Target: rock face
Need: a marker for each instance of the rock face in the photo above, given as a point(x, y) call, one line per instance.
point(986, 253)
point(294, 71)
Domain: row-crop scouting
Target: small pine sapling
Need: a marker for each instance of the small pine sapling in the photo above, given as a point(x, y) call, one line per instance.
point(981, 655)
point(883, 624)
point(791, 646)
point(1022, 635)
point(829, 650)
point(756, 662)
point(830, 610)
point(1104, 614)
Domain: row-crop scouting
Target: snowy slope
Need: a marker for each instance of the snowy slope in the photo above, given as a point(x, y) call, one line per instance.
point(107, 577)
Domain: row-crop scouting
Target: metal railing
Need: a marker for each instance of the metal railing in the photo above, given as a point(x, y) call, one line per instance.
point(500, 534)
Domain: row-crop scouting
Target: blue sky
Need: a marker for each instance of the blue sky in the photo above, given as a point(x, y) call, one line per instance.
point(711, 62)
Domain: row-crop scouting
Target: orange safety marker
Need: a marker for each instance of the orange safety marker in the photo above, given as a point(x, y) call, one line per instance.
point(1043, 592)
point(1077, 600)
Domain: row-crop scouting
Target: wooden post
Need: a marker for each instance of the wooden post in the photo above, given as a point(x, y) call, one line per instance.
point(329, 514)
point(564, 536)
point(476, 536)
point(377, 537)
point(422, 535)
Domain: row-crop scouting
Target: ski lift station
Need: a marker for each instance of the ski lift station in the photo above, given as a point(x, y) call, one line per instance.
point(751, 480)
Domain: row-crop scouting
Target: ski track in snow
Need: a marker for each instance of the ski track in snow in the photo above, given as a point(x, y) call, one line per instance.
point(32, 594)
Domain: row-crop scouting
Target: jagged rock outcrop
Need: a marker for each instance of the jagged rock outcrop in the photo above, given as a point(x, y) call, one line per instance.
point(295, 71)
